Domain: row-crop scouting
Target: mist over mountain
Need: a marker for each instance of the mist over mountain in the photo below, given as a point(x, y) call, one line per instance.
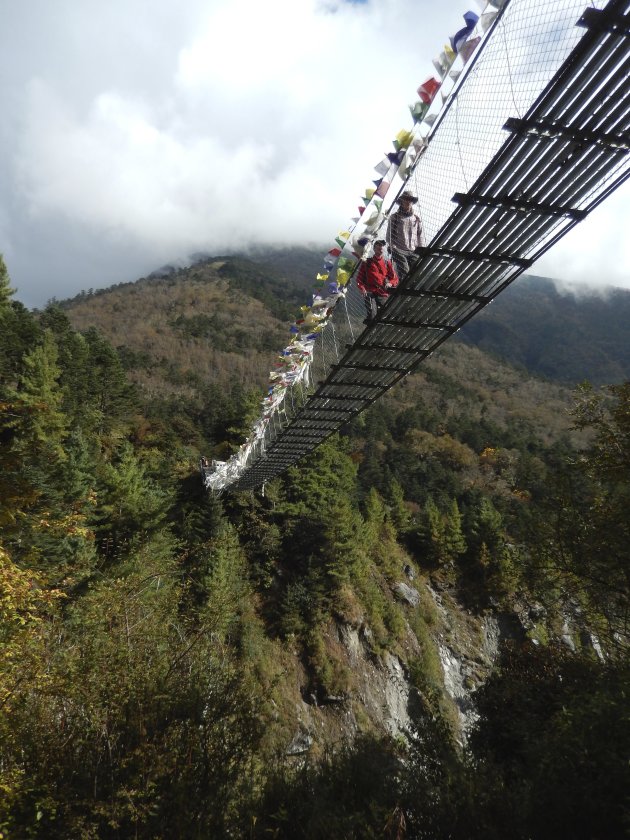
point(564, 335)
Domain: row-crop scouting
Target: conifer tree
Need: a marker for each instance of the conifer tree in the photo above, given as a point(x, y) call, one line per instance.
point(131, 505)
point(19, 333)
point(109, 392)
point(455, 543)
point(399, 513)
point(39, 397)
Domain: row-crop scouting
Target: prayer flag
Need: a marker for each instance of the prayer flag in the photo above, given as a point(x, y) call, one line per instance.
point(418, 110)
point(382, 189)
point(460, 37)
point(467, 49)
point(487, 19)
point(442, 64)
point(342, 276)
point(383, 167)
point(403, 139)
point(395, 157)
point(428, 89)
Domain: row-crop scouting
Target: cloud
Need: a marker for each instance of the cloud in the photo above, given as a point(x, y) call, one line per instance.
point(138, 133)
point(596, 252)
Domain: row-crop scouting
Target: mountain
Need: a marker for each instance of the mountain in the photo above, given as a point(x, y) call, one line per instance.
point(561, 335)
point(420, 630)
point(221, 319)
point(225, 316)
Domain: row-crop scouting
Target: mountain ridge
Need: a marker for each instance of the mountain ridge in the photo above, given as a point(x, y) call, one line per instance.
point(559, 335)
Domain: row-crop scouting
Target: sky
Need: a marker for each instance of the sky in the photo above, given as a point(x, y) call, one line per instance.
point(137, 133)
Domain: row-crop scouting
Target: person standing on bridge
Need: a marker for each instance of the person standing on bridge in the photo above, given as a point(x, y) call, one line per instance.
point(404, 233)
point(375, 277)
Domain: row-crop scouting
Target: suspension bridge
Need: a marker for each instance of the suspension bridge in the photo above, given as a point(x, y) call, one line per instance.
point(534, 135)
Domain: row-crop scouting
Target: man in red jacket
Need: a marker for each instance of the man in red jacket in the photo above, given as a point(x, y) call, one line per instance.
point(374, 278)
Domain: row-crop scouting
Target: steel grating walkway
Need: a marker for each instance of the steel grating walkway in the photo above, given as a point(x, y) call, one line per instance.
point(557, 163)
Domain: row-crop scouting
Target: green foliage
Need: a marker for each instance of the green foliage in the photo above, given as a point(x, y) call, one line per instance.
point(224, 335)
point(158, 696)
point(130, 504)
point(583, 545)
point(351, 793)
point(572, 778)
point(146, 728)
point(439, 535)
point(554, 334)
point(263, 284)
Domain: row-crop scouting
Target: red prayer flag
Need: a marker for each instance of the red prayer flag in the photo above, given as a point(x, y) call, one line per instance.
point(428, 89)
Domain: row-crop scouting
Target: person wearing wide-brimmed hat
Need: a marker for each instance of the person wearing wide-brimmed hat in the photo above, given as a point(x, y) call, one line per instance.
point(404, 233)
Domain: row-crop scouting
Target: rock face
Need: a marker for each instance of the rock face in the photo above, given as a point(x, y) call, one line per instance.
point(301, 743)
point(382, 687)
point(458, 686)
point(406, 593)
point(379, 699)
point(381, 696)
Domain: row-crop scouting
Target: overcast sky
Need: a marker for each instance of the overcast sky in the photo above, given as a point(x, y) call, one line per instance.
point(135, 133)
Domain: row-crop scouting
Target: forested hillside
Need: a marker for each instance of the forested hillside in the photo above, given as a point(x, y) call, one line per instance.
point(565, 336)
point(180, 666)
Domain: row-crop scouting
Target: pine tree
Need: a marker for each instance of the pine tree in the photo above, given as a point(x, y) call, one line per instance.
point(455, 543)
point(39, 398)
point(110, 395)
point(398, 512)
point(19, 333)
point(131, 505)
point(6, 291)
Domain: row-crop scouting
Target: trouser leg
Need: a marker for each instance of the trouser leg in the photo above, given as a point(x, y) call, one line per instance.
point(403, 262)
point(379, 301)
point(372, 304)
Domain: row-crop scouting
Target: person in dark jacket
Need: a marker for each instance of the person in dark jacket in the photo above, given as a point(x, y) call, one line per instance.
point(375, 277)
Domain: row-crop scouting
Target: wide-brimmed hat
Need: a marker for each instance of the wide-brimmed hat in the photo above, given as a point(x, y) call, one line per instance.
point(408, 195)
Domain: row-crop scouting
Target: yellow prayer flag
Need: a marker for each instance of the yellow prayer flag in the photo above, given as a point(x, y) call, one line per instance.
point(404, 138)
point(342, 277)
